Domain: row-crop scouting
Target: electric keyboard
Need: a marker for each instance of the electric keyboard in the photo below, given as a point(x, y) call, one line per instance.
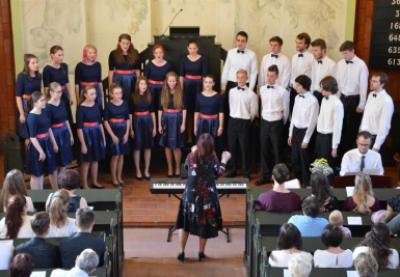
point(177, 185)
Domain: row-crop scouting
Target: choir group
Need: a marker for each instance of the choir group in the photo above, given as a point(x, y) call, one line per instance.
point(317, 107)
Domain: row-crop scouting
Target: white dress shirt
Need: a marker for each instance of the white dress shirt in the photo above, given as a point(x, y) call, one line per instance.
point(6, 250)
point(235, 61)
point(351, 162)
point(281, 258)
point(330, 119)
point(25, 231)
point(377, 116)
point(283, 64)
point(65, 231)
point(320, 69)
point(73, 272)
point(326, 259)
point(243, 104)
point(352, 79)
point(393, 259)
point(305, 114)
point(274, 102)
point(301, 65)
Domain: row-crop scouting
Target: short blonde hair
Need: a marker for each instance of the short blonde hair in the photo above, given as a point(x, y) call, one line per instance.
point(241, 71)
point(300, 265)
point(336, 218)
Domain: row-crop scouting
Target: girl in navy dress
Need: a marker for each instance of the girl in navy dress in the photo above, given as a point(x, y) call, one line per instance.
point(88, 73)
point(209, 114)
point(28, 81)
point(91, 136)
point(123, 65)
point(193, 68)
point(117, 124)
point(42, 147)
point(57, 114)
point(172, 118)
point(57, 71)
point(155, 72)
point(143, 127)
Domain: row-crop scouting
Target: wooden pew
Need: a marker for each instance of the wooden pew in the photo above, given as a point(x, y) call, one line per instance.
point(326, 272)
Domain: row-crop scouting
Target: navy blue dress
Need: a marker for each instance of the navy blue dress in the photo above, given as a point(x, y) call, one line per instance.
point(58, 117)
point(123, 74)
point(155, 77)
point(89, 120)
point(24, 87)
point(38, 127)
point(171, 122)
point(142, 124)
point(89, 75)
point(209, 109)
point(192, 72)
point(117, 117)
point(59, 75)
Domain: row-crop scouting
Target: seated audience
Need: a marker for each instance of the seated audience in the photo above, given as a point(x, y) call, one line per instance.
point(85, 264)
point(72, 246)
point(279, 199)
point(70, 180)
point(300, 265)
point(309, 224)
point(14, 184)
point(336, 218)
point(362, 159)
point(322, 190)
point(377, 242)
point(334, 256)
point(366, 265)
point(60, 224)
point(362, 201)
point(16, 223)
point(21, 266)
point(289, 245)
point(44, 254)
point(6, 250)
point(394, 224)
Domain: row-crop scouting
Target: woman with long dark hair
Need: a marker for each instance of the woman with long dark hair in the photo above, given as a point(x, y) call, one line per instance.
point(322, 190)
point(199, 211)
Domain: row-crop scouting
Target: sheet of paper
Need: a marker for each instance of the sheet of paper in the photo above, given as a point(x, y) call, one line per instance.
point(38, 274)
point(286, 273)
point(349, 191)
point(352, 273)
point(292, 184)
point(354, 220)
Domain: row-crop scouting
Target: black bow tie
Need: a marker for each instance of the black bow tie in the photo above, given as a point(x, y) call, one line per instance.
point(268, 86)
point(240, 88)
point(274, 56)
point(347, 62)
point(374, 94)
point(301, 55)
point(240, 51)
point(302, 96)
point(319, 61)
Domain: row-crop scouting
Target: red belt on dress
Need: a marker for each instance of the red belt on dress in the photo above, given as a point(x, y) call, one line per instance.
point(88, 83)
point(90, 124)
point(172, 110)
point(42, 135)
point(208, 116)
point(117, 120)
point(125, 72)
point(26, 97)
point(193, 77)
point(141, 113)
point(153, 82)
point(58, 125)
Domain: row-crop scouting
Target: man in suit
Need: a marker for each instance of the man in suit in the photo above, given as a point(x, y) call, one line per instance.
point(72, 246)
point(44, 254)
point(84, 265)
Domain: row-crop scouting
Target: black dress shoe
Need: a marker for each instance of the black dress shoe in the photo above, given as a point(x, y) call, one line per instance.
point(147, 177)
point(231, 174)
point(139, 178)
point(170, 175)
point(181, 256)
point(201, 256)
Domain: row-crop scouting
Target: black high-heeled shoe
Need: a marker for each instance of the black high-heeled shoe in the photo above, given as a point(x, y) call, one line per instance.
point(181, 256)
point(202, 256)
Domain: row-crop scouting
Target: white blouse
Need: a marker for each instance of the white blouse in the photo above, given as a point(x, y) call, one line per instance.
point(65, 231)
point(326, 259)
point(24, 232)
point(281, 258)
point(393, 261)
point(6, 250)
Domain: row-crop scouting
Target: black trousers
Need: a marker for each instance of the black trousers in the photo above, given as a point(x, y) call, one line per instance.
point(351, 122)
point(319, 96)
point(293, 94)
point(300, 157)
point(323, 148)
point(271, 140)
point(239, 138)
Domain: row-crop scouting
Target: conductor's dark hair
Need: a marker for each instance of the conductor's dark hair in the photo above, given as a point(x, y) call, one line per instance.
point(274, 68)
point(277, 39)
point(243, 34)
point(347, 46)
point(319, 42)
point(310, 206)
point(304, 81)
point(289, 236)
point(330, 84)
point(281, 173)
point(306, 37)
point(364, 134)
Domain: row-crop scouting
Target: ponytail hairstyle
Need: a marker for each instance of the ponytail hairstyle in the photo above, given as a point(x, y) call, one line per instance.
point(114, 87)
point(133, 54)
point(14, 215)
point(85, 50)
point(166, 91)
point(84, 91)
point(158, 46)
point(136, 93)
point(36, 95)
point(27, 59)
point(362, 189)
point(57, 208)
point(54, 49)
point(14, 184)
point(53, 86)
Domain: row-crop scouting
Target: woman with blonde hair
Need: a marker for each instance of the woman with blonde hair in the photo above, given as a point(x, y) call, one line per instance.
point(60, 224)
point(363, 200)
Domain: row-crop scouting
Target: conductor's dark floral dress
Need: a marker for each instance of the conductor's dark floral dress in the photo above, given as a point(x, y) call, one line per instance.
point(199, 209)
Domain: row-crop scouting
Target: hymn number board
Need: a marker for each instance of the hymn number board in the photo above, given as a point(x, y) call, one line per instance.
point(385, 36)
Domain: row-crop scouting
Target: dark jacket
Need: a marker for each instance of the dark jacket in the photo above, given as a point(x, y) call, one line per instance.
point(44, 254)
